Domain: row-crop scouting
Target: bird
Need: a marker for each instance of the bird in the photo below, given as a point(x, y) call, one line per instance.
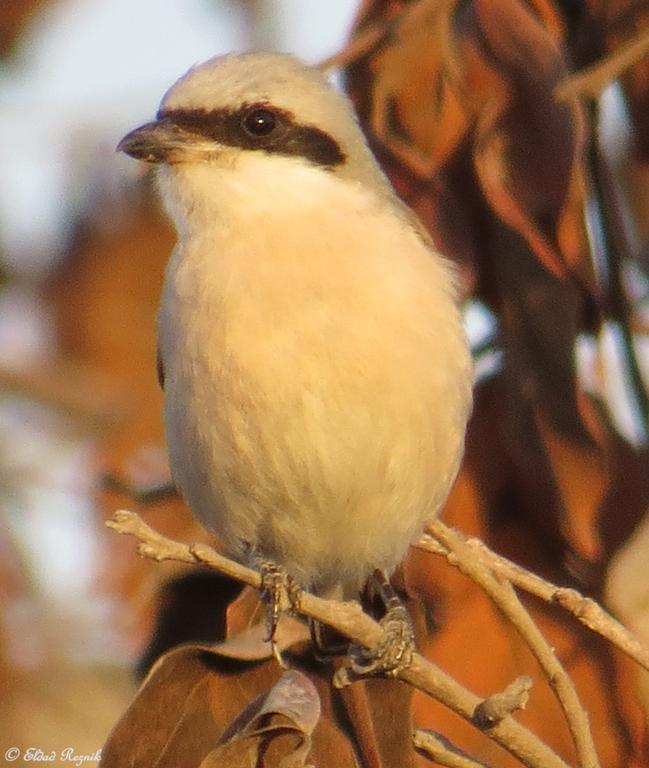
point(317, 376)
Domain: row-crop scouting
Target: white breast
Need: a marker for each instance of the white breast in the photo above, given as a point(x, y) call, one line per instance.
point(317, 376)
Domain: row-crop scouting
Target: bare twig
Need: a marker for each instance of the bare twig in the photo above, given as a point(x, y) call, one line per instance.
point(350, 620)
point(590, 82)
point(76, 390)
point(439, 749)
point(586, 610)
point(372, 35)
point(143, 493)
point(506, 600)
point(499, 705)
point(360, 45)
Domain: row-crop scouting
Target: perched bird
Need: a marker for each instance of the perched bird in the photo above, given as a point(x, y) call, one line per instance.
point(317, 380)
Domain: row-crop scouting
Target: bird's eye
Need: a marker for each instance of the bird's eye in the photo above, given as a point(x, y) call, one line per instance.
point(259, 122)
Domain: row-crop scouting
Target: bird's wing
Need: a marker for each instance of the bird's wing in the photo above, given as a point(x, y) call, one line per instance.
point(160, 369)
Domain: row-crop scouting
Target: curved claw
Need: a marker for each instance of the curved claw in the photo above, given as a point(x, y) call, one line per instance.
point(394, 653)
point(280, 592)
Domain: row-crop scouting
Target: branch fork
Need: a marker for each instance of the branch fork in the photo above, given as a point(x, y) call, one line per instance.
point(493, 715)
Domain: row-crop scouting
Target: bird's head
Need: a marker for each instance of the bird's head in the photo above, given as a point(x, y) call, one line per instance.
point(267, 104)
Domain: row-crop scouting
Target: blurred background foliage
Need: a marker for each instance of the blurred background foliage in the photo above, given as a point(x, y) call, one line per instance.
point(533, 186)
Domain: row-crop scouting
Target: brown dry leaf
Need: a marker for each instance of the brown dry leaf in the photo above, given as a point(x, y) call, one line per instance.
point(582, 476)
point(274, 731)
point(604, 487)
point(554, 447)
point(191, 607)
point(174, 719)
point(526, 144)
point(477, 79)
point(627, 500)
point(408, 67)
point(539, 320)
point(185, 708)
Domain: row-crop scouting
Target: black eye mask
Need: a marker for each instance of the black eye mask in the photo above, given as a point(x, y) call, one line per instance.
point(259, 126)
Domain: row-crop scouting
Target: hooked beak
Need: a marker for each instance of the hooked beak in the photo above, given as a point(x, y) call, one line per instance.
point(163, 141)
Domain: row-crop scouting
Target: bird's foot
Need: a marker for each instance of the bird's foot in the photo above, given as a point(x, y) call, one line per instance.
point(394, 652)
point(281, 594)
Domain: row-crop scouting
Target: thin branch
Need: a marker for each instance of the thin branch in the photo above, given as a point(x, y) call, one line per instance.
point(372, 35)
point(497, 706)
point(360, 45)
point(506, 600)
point(139, 492)
point(438, 749)
point(74, 389)
point(586, 610)
point(350, 620)
point(590, 82)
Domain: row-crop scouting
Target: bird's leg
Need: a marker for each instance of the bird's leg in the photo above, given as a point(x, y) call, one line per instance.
point(281, 594)
point(327, 642)
point(394, 652)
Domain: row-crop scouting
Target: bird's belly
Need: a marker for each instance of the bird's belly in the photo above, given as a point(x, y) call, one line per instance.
point(315, 460)
point(315, 404)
